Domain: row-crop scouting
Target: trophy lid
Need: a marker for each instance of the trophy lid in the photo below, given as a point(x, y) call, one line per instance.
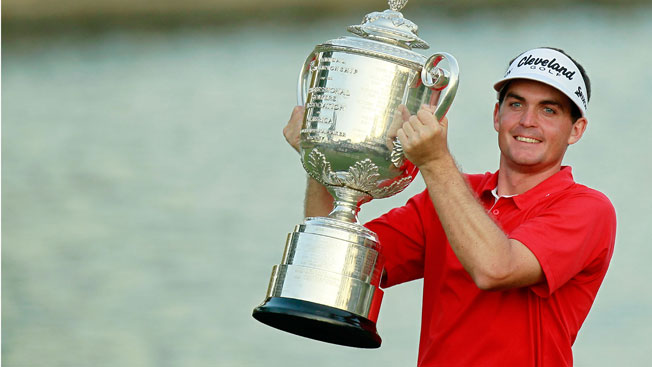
point(389, 26)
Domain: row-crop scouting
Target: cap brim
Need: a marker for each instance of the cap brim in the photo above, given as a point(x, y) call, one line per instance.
point(498, 86)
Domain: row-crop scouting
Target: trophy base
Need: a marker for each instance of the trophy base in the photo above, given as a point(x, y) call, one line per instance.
point(319, 322)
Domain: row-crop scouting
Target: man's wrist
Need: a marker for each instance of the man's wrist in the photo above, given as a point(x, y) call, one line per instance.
point(439, 168)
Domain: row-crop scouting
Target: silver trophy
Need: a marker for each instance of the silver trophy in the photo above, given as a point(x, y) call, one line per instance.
point(357, 91)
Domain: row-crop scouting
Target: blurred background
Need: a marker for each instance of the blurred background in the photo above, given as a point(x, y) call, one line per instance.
point(147, 189)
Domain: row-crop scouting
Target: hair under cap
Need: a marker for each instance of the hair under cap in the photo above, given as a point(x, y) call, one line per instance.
point(550, 67)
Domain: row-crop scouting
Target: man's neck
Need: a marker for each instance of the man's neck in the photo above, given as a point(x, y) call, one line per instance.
point(517, 181)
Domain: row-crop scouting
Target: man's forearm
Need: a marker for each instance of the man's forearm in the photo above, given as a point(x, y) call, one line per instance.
point(481, 246)
point(318, 201)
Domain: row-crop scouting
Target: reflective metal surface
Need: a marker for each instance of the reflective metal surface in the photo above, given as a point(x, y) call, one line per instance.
point(357, 91)
point(322, 268)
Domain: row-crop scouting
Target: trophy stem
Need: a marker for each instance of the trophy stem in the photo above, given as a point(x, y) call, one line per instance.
point(347, 203)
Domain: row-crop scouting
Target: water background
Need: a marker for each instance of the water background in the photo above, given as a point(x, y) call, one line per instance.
point(147, 189)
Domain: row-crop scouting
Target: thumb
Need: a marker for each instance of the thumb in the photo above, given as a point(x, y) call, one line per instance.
point(444, 120)
point(428, 108)
point(297, 113)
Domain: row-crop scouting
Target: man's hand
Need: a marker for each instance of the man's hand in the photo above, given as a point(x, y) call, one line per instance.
point(492, 259)
point(318, 202)
point(423, 137)
point(401, 115)
point(292, 131)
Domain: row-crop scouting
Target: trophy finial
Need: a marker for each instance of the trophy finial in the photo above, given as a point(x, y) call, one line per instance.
point(396, 5)
point(390, 26)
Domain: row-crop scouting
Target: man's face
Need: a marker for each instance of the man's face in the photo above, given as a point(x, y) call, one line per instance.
point(534, 126)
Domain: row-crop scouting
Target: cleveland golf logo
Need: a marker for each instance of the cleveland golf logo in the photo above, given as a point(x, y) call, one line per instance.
point(549, 65)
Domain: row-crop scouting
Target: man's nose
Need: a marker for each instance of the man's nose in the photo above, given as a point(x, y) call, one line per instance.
point(528, 118)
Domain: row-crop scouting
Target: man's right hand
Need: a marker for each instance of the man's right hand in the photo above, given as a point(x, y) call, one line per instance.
point(318, 202)
point(292, 131)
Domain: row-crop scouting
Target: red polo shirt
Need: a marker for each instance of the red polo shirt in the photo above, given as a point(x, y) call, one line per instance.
point(569, 227)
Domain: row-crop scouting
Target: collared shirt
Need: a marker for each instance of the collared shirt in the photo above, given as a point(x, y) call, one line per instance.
point(569, 227)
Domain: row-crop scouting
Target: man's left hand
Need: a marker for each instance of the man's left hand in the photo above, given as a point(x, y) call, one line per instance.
point(424, 139)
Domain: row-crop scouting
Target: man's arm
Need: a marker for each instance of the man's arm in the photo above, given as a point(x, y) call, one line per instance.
point(492, 259)
point(318, 201)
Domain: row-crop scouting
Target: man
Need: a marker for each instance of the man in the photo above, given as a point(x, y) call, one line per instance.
point(511, 260)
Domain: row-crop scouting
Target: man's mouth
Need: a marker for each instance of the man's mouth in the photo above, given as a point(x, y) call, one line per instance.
point(527, 140)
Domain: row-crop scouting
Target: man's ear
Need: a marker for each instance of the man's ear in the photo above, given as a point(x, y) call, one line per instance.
point(577, 130)
point(496, 113)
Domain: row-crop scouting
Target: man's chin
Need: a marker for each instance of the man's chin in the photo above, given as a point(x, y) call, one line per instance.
point(522, 164)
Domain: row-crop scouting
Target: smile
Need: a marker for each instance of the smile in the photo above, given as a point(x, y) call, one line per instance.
point(527, 140)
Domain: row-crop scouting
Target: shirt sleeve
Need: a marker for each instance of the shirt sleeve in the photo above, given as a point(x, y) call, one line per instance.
point(572, 236)
point(401, 235)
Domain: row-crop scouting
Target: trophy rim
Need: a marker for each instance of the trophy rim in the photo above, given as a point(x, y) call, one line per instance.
point(319, 322)
point(376, 49)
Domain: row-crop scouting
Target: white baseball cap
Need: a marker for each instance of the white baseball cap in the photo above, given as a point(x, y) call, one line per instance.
point(550, 67)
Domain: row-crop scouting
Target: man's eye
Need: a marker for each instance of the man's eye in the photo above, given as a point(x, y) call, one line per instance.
point(549, 110)
point(516, 104)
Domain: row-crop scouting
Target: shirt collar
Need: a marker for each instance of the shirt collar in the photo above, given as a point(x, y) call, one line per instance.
point(555, 183)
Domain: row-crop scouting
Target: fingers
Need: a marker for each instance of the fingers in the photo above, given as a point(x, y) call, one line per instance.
point(402, 138)
point(292, 131)
point(428, 107)
point(411, 132)
point(297, 114)
point(412, 126)
point(431, 110)
point(405, 113)
point(421, 126)
point(423, 122)
point(427, 115)
point(423, 137)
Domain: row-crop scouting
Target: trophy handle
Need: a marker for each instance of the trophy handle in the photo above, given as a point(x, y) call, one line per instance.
point(302, 87)
point(440, 79)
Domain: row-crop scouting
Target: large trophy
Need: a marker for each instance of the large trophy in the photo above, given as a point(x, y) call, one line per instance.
point(357, 92)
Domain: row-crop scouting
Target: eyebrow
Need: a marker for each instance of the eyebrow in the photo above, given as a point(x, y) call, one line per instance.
point(515, 96)
point(544, 102)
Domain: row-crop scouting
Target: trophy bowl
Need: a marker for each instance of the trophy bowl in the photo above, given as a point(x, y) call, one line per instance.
point(357, 91)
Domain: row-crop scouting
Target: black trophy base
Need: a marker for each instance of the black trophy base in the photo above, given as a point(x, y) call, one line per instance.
point(319, 322)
